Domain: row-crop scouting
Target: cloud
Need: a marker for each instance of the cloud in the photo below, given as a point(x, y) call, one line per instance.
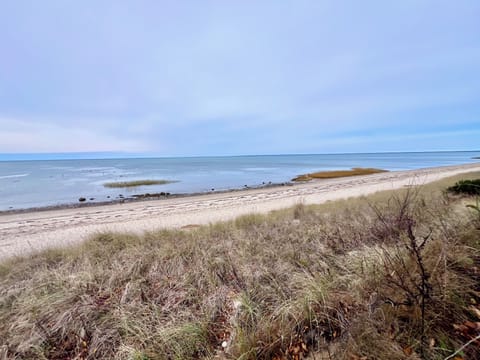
point(24, 136)
point(235, 77)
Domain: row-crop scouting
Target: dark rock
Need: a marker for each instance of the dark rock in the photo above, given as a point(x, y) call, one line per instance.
point(92, 198)
point(82, 199)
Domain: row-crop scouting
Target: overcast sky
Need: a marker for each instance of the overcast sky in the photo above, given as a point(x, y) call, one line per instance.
point(239, 77)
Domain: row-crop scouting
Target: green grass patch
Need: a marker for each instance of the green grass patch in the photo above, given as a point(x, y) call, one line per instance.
point(135, 183)
point(337, 174)
point(469, 187)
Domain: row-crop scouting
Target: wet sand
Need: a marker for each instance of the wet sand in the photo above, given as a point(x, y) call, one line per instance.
point(22, 233)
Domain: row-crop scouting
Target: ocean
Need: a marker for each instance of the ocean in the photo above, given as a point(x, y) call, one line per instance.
point(39, 183)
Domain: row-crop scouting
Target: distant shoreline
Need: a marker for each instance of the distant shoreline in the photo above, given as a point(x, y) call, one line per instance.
point(165, 196)
point(30, 186)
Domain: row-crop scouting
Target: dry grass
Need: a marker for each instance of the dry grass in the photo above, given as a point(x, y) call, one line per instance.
point(318, 279)
point(337, 174)
point(135, 183)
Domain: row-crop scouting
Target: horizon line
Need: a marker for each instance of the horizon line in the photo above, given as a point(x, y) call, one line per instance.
point(131, 155)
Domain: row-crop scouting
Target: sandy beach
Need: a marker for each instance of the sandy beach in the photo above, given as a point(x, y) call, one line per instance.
point(24, 233)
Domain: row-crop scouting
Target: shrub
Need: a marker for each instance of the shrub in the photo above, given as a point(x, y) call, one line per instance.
point(470, 187)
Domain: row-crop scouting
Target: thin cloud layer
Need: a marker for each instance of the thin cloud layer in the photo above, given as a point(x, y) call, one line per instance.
point(215, 77)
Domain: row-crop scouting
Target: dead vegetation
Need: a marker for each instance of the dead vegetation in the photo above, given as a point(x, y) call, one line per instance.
point(391, 276)
point(337, 174)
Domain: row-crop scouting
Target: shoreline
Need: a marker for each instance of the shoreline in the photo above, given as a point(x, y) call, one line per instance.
point(50, 185)
point(22, 233)
point(141, 198)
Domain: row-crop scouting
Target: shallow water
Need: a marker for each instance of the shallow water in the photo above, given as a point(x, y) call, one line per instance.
point(26, 184)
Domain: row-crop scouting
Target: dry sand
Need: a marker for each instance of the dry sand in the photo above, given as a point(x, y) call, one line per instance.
point(24, 233)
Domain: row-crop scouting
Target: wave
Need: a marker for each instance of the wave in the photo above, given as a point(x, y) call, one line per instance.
point(13, 176)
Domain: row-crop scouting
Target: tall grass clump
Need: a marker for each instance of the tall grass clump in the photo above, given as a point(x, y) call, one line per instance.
point(389, 276)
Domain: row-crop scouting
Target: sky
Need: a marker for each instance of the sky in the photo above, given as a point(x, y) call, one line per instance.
point(189, 77)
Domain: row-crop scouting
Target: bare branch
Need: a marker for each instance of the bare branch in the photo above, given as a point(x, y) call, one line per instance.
point(462, 348)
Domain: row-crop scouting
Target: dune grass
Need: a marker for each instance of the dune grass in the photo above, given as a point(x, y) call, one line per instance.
point(470, 187)
point(342, 280)
point(135, 183)
point(337, 174)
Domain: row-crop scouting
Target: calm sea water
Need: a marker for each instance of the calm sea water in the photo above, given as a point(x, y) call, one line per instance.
point(26, 184)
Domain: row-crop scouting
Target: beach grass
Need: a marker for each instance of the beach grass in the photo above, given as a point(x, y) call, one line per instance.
point(470, 187)
point(390, 276)
point(135, 183)
point(337, 174)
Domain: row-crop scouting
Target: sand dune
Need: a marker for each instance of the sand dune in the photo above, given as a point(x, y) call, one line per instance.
point(23, 233)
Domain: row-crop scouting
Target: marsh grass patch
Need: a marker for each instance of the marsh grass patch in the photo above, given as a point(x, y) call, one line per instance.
point(337, 174)
point(136, 183)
